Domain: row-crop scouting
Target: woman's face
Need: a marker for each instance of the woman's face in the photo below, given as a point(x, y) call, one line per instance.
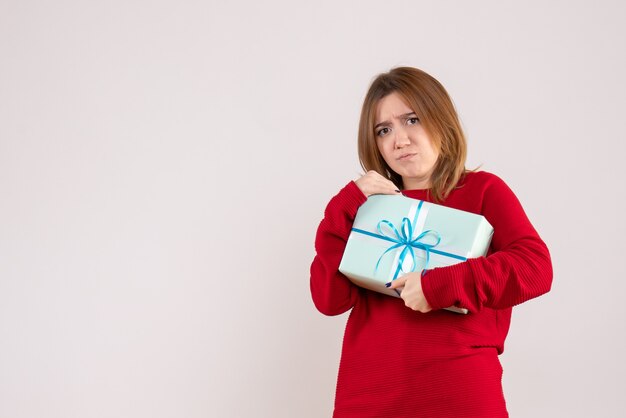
point(404, 143)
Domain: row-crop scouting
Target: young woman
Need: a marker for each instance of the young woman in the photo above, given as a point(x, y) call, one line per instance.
point(407, 357)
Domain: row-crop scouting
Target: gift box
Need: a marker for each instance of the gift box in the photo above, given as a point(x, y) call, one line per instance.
point(394, 235)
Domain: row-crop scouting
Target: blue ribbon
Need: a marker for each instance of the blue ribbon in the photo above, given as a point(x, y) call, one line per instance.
point(404, 239)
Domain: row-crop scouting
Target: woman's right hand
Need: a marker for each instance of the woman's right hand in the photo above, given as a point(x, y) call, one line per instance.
point(373, 183)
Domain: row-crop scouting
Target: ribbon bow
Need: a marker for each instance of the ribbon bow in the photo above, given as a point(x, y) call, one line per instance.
point(404, 238)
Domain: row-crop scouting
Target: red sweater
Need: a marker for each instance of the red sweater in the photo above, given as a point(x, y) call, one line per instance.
point(397, 362)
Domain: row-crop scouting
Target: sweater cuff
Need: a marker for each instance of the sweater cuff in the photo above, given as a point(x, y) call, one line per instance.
point(441, 286)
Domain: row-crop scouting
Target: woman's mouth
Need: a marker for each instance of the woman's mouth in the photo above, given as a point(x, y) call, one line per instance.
point(405, 157)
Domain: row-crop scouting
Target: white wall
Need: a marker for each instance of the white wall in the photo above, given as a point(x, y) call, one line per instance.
point(164, 166)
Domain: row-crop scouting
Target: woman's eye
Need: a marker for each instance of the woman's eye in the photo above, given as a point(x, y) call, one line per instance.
point(412, 121)
point(382, 132)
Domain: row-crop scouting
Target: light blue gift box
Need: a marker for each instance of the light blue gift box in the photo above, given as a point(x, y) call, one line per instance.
point(394, 235)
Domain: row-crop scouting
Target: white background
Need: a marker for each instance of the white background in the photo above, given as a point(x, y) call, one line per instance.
point(164, 166)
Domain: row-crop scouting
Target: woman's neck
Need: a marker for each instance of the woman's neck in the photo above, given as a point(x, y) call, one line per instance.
point(412, 183)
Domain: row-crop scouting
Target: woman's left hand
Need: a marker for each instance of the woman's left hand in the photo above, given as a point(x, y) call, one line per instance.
point(412, 293)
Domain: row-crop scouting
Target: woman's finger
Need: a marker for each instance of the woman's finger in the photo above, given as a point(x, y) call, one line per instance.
point(394, 284)
point(385, 186)
point(373, 183)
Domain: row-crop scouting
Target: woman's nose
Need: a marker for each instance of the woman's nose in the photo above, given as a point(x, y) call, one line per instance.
point(401, 139)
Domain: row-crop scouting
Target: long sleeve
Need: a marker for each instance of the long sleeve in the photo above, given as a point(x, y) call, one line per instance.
point(517, 269)
point(331, 291)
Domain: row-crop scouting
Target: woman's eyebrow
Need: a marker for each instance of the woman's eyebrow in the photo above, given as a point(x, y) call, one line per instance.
point(405, 116)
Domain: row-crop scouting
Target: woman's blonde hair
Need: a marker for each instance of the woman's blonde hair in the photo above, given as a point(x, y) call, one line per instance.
point(434, 109)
